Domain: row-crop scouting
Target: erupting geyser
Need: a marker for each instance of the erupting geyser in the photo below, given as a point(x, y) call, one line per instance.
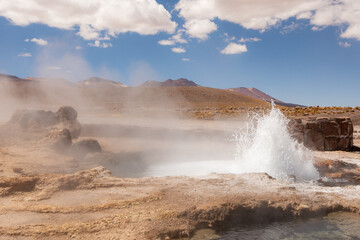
point(267, 146)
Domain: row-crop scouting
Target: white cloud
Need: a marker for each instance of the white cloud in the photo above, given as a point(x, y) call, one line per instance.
point(185, 59)
point(227, 37)
point(38, 41)
point(252, 39)
point(94, 18)
point(24, 55)
point(317, 28)
point(177, 38)
point(178, 50)
point(304, 15)
point(100, 44)
point(200, 28)
point(344, 44)
point(234, 48)
point(78, 47)
point(166, 42)
point(251, 14)
point(87, 32)
point(289, 28)
point(264, 14)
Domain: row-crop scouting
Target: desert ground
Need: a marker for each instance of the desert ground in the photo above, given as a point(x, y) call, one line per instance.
point(153, 178)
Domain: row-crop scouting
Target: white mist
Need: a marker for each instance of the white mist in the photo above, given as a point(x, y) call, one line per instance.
point(267, 146)
point(264, 144)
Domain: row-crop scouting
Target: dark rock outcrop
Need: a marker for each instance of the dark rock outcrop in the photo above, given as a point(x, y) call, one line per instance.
point(324, 134)
point(68, 117)
point(40, 120)
point(84, 146)
point(61, 139)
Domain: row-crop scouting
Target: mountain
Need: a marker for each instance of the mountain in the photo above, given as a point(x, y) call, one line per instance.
point(256, 93)
point(181, 82)
point(12, 79)
point(95, 82)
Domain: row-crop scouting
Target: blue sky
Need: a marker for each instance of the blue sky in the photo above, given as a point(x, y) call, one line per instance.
point(305, 51)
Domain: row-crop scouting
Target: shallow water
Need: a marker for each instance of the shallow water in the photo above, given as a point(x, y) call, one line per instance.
point(339, 225)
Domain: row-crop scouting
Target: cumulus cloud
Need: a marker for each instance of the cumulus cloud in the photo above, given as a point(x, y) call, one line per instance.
point(38, 41)
point(234, 48)
point(185, 59)
point(78, 47)
point(344, 44)
point(93, 19)
point(166, 42)
point(252, 39)
point(340, 13)
point(263, 14)
point(24, 55)
point(176, 38)
point(178, 50)
point(100, 44)
point(200, 28)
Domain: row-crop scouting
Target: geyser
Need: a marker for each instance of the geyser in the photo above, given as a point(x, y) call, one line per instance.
point(265, 145)
point(262, 144)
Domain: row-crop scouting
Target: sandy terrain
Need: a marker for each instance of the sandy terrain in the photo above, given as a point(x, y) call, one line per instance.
point(50, 194)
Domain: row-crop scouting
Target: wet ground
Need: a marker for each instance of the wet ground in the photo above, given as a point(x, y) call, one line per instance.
point(334, 226)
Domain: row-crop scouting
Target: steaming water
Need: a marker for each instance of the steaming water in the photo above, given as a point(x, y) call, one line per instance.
point(339, 225)
point(267, 146)
point(264, 145)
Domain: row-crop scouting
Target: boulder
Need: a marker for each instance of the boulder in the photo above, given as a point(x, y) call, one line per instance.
point(327, 134)
point(61, 139)
point(67, 113)
point(314, 139)
point(84, 146)
point(68, 117)
point(37, 124)
point(74, 128)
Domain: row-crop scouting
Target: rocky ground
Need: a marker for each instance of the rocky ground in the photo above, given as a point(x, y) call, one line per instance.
point(61, 193)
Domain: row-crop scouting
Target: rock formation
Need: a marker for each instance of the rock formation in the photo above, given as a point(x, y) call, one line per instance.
point(68, 118)
point(30, 120)
point(324, 134)
point(84, 146)
point(57, 130)
point(62, 139)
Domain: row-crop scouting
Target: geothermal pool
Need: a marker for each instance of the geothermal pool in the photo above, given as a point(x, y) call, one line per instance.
point(340, 225)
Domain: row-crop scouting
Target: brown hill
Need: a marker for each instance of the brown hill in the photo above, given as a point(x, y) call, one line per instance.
point(256, 93)
point(95, 82)
point(173, 97)
point(181, 82)
point(102, 93)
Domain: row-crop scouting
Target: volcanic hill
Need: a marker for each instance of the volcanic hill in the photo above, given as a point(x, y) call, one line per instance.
point(256, 93)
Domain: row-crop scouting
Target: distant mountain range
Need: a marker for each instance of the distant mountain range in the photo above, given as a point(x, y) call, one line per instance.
point(256, 93)
point(100, 82)
point(103, 88)
point(181, 82)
